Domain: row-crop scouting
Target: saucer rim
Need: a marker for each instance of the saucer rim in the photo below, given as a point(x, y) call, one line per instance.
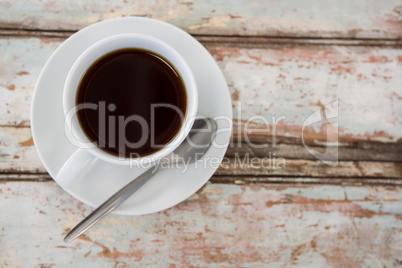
point(66, 43)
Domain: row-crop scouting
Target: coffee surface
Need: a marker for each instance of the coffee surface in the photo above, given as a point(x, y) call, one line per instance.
point(135, 92)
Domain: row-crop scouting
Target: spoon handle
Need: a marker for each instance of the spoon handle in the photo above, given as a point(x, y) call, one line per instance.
point(109, 205)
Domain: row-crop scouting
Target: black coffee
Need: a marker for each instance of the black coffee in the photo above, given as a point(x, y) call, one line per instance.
point(140, 102)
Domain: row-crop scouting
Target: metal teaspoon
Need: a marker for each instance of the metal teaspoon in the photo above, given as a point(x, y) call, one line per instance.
point(190, 150)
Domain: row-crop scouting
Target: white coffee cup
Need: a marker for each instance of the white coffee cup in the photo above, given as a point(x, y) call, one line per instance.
point(88, 154)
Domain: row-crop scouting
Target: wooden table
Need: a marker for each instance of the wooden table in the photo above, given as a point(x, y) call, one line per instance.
point(288, 58)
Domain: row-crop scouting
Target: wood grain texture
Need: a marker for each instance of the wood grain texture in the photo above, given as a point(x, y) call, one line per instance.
point(292, 148)
point(280, 58)
point(17, 151)
point(221, 226)
point(18, 155)
point(277, 81)
point(249, 166)
point(21, 157)
point(241, 180)
point(313, 18)
point(271, 81)
point(227, 40)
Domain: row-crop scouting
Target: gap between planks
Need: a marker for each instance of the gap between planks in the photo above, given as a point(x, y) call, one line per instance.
point(241, 180)
point(234, 40)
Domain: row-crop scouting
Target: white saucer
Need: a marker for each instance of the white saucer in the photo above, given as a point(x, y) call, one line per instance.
point(167, 188)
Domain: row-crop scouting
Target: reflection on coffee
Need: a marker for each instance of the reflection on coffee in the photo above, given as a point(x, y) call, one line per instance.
point(141, 102)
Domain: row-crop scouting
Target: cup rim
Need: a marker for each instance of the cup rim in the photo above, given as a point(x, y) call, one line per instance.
point(70, 87)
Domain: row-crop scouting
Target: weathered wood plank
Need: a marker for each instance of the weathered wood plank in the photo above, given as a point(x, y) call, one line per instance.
point(25, 176)
point(292, 148)
point(20, 65)
point(249, 73)
point(362, 19)
point(274, 166)
point(349, 181)
point(16, 145)
point(296, 82)
point(241, 180)
point(18, 155)
point(291, 82)
point(221, 226)
point(269, 42)
point(225, 40)
point(17, 151)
